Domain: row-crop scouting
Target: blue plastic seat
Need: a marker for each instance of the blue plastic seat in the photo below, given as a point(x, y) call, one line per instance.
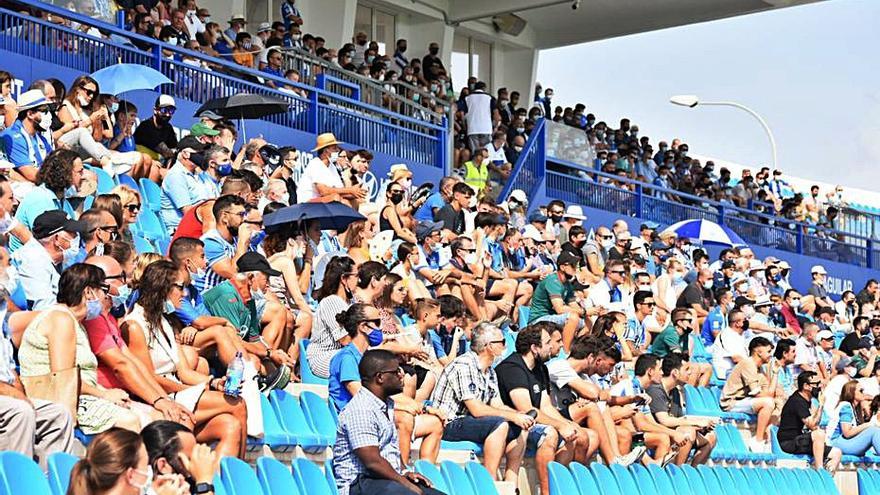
point(309, 478)
point(739, 479)
point(82, 437)
point(680, 481)
point(710, 479)
point(60, 465)
point(754, 479)
point(151, 225)
point(218, 485)
point(643, 479)
point(318, 415)
point(561, 480)
point(238, 477)
point(142, 245)
point(330, 477)
point(293, 421)
point(698, 486)
point(605, 479)
point(583, 478)
point(105, 180)
point(819, 486)
point(624, 478)
point(801, 478)
point(151, 195)
point(305, 369)
point(275, 478)
point(828, 481)
point(739, 446)
point(694, 401)
point(456, 479)
point(480, 478)
point(19, 474)
point(127, 180)
point(274, 434)
point(727, 483)
point(476, 448)
point(713, 407)
point(776, 450)
point(772, 479)
point(432, 472)
point(661, 479)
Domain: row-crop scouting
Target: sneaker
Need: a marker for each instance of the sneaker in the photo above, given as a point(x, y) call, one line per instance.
point(115, 169)
point(276, 380)
point(673, 453)
point(758, 447)
point(634, 456)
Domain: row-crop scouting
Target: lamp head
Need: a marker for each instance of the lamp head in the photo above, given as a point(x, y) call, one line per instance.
point(685, 100)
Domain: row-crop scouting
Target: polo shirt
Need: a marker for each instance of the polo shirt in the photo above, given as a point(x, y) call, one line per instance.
point(661, 401)
point(180, 188)
point(38, 274)
point(669, 341)
point(104, 334)
point(546, 289)
point(224, 301)
point(514, 374)
point(37, 201)
point(22, 149)
point(343, 369)
point(192, 306)
point(715, 322)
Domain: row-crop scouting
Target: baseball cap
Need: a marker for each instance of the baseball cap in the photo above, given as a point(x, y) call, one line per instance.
point(568, 258)
point(818, 269)
point(537, 217)
point(253, 261)
point(727, 264)
point(192, 143)
point(210, 115)
point(199, 129)
point(532, 232)
point(165, 101)
point(825, 335)
point(659, 246)
point(649, 226)
point(864, 343)
point(54, 221)
point(844, 363)
point(425, 229)
point(741, 301)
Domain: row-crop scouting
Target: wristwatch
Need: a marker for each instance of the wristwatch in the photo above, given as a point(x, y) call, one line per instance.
point(203, 488)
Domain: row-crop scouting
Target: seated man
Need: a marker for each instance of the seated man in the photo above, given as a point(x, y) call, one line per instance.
point(183, 185)
point(749, 390)
point(524, 384)
point(467, 394)
point(730, 346)
point(366, 459)
point(54, 246)
point(666, 406)
point(25, 141)
point(580, 398)
point(799, 431)
point(234, 300)
point(554, 301)
point(155, 136)
point(676, 338)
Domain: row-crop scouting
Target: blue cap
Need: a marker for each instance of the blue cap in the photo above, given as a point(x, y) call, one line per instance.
point(659, 246)
point(537, 217)
point(649, 225)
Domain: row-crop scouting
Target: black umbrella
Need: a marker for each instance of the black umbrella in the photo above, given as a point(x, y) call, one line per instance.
point(333, 215)
point(245, 106)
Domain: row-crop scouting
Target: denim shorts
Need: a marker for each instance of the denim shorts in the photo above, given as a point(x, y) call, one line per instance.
point(471, 429)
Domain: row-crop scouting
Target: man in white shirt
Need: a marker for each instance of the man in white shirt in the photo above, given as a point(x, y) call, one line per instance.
point(481, 115)
point(806, 356)
point(730, 346)
point(321, 181)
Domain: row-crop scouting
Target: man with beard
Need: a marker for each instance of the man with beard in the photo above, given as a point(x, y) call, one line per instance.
point(524, 386)
point(366, 457)
point(155, 136)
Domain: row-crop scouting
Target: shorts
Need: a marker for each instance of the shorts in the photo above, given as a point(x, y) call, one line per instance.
point(801, 445)
point(743, 406)
point(419, 372)
point(476, 430)
point(559, 320)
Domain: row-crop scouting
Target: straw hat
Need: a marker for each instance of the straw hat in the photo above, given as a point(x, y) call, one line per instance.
point(325, 140)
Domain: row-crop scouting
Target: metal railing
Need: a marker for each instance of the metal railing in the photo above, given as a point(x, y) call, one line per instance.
point(529, 169)
point(353, 121)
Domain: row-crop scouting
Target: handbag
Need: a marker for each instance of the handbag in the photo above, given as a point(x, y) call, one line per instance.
point(61, 387)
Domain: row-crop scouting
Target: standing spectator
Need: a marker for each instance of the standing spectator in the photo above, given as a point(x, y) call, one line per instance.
point(748, 390)
point(432, 64)
point(476, 172)
point(399, 58)
point(366, 458)
point(481, 116)
point(467, 394)
point(799, 431)
point(290, 14)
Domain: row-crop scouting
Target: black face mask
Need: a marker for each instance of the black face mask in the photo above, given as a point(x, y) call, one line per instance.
point(434, 51)
point(745, 325)
point(815, 392)
point(396, 198)
point(556, 218)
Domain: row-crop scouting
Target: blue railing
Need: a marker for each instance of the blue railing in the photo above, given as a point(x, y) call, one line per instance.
point(528, 171)
point(354, 122)
point(646, 201)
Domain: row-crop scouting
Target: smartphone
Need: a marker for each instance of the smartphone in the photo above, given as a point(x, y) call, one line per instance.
point(639, 400)
point(532, 414)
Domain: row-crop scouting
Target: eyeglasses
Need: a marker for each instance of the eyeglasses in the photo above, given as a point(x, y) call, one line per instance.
point(113, 229)
point(373, 322)
point(121, 276)
point(89, 92)
point(349, 274)
point(242, 214)
point(133, 207)
point(497, 341)
point(648, 304)
point(619, 272)
point(398, 371)
point(178, 286)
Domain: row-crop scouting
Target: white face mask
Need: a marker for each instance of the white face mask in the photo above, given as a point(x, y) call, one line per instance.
point(285, 198)
point(83, 101)
point(470, 258)
point(334, 157)
point(45, 121)
point(148, 484)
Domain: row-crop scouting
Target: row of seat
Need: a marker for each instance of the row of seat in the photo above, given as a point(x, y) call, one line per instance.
point(706, 401)
point(598, 479)
point(869, 481)
point(870, 457)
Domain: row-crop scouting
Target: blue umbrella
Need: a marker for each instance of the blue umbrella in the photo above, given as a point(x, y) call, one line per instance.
point(120, 78)
point(333, 216)
point(707, 232)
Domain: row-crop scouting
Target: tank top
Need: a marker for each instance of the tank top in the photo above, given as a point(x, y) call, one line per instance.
point(190, 225)
point(384, 224)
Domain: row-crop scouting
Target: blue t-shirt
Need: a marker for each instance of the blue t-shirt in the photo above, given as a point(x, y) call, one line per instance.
point(216, 249)
point(127, 143)
point(426, 211)
point(288, 9)
point(274, 72)
point(846, 415)
point(715, 322)
point(343, 368)
point(22, 149)
point(192, 306)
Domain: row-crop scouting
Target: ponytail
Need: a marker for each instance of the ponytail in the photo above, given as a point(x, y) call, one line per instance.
point(109, 456)
point(79, 479)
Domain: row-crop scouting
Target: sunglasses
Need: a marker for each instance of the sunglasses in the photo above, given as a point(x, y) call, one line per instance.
point(649, 304)
point(133, 207)
point(374, 322)
point(89, 92)
point(167, 110)
point(178, 286)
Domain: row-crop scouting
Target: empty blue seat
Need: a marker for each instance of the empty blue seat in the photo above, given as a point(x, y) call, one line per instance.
point(151, 226)
point(19, 474)
point(309, 478)
point(739, 479)
point(583, 478)
point(142, 245)
point(754, 479)
point(305, 370)
point(293, 421)
point(624, 478)
point(318, 415)
point(60, 465)
point(680, 481)
point(432, 472)
point(463, 445)
point(151, 195)
point(238, 477)
point(661, 479)
point(330, 477)
point(561, 480)
point(742, 450)
point(456, 479)
point(727, 483)
point(275, 478)
point(710, 479)
point(698, 486)
point(710, 400)
point(605, 479)
point(828, 481)
point(694, 401)
point(480, 479)
point(274, 433)
point(105, 180)
point(819, 486)
point(127, 180)
point(799, 476)
point(643, 479)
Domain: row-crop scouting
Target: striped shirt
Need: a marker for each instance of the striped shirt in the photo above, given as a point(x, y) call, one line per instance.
point(217, 249)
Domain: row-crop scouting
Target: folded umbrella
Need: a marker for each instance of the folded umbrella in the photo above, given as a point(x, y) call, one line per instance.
point(121, 78)
point(332, 216)
point(707, 232)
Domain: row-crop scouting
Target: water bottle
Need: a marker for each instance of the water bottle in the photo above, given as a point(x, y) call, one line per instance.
point(234, 376)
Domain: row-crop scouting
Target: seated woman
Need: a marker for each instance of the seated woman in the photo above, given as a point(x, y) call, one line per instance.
point(148, 332)
point(390, 219)
point(86, 125)
point(46, 348)
point(393, 298)
point(131, 206)
point(850, 429)
point(334, 296)
point(408, 257)
point(356, 241)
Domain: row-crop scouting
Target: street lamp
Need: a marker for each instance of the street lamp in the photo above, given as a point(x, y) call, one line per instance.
point(692, 101)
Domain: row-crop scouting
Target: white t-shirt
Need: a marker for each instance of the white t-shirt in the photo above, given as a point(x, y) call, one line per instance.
point(497, 156)
point(805, 354)
point(316, 173)
point(479, 113)
point(729, 343)
point(561, 373)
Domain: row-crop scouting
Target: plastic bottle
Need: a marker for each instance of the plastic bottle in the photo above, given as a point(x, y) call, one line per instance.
point(234, 376)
